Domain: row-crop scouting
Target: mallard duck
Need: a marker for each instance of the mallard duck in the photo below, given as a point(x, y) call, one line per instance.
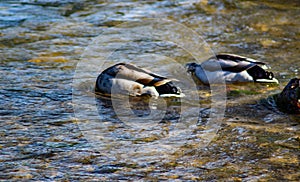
point(129, 79)
point(289, 99)
point(234, 68)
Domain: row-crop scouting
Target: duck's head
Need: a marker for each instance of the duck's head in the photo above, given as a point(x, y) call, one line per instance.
point(191, 67)
point(289, 98)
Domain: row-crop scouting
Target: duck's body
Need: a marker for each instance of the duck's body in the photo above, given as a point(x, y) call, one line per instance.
point(127, 79)
point(289, 99)
point(231, 68)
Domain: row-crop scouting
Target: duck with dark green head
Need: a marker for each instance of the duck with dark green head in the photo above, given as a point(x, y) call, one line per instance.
point(289, 99)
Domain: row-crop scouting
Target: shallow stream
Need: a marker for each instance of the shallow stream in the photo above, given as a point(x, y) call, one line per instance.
point(54, 128)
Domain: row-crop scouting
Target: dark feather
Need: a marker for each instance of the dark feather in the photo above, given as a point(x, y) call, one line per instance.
point(258, 73)
point(288, 99)
point(237, 58)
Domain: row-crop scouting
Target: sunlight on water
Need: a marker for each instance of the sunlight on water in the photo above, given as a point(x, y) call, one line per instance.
point(45, 135)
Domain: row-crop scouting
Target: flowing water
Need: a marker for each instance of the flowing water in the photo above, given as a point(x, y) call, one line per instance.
point(54, 128)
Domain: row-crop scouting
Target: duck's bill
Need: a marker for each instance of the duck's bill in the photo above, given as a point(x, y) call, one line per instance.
point(274, 80)
point(172, 95)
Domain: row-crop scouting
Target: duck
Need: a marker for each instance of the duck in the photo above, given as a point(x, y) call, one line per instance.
point(128, 79)
point(234, 68)
point(289, 99)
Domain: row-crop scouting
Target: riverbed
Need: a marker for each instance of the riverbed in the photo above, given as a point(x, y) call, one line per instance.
point(54, 128)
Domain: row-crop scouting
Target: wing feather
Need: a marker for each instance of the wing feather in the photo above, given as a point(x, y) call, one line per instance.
point(230, 62)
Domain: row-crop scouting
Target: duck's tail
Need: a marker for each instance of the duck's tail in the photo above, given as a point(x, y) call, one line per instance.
point(260, 75)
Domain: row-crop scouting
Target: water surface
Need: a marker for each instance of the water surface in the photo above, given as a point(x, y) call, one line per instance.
point(41, 138)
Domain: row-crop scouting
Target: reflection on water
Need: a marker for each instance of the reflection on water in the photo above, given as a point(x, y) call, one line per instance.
point(40, 139)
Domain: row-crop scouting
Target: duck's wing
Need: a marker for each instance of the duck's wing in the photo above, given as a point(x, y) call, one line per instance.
point(143, 76)
point(142, 70)
point(163, 85)
point(238, 58)
point(230, 62)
